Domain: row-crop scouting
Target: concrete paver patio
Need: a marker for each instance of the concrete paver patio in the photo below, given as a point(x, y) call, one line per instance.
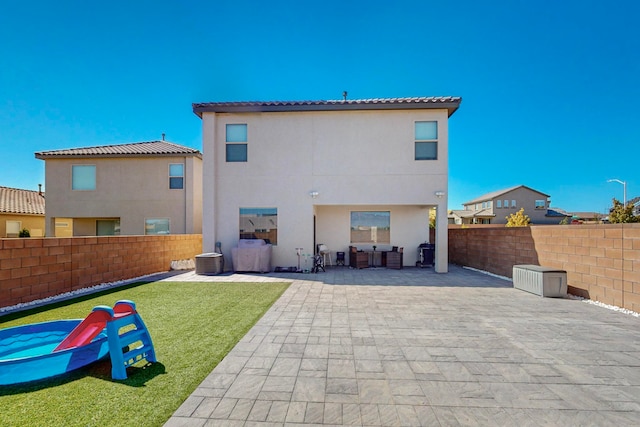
point(411, 347)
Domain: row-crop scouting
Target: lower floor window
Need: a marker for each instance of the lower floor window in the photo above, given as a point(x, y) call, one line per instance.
point(13, 228)
point(107, 227)
point(157, 226)
point(259, 223)
point(371, 227)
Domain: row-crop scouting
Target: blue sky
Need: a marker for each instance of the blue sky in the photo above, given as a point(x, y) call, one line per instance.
point(550, 88)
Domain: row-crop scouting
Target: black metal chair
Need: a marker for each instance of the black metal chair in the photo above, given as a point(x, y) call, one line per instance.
point(318, 263)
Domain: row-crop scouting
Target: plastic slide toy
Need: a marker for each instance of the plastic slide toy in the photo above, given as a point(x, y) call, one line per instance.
point(43, 350)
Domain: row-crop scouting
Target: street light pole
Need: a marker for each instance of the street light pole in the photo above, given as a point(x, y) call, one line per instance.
point(624, 189)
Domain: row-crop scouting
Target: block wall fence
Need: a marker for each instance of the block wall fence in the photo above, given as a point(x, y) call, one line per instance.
point(602, 261)
point(36, 268)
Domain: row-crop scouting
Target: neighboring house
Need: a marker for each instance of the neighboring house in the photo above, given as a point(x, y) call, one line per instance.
point(20, 209)
point(494, 207)
point(558, 215)
point(341, 173)
point(636, 205)
point(586, 217)
point(127, 189)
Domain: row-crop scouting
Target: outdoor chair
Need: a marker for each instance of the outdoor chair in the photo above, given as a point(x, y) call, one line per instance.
point(358, 259)
point(318, 263)
point(325, 252)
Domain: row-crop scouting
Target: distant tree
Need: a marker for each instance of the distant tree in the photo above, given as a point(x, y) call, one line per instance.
point(622, 214)
point(432, 218)
point(518, 219)
point(24, 233)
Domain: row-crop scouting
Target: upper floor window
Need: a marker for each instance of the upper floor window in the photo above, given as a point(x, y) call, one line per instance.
point(541, 204)
point(176, 176)
point(506, 203)
point(83, 177)
point(513, 203)
point(498, 203)
point(236, 139)
point(426, 140)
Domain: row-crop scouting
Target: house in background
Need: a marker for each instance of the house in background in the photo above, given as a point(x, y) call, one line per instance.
point(127, 189)
point(360, 173)
point(494, 207)
point(582, 217)
point(636, 205)
point(21, 209)
point(559, 216)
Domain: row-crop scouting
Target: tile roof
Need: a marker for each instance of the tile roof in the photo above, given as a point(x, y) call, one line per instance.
point(557, 212)
point(16, 201)
point(586, 215)
point(465, 213)
point(451, 103)
point(136, 149)
point(494, 194)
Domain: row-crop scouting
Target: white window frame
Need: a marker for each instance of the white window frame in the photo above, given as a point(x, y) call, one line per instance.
point(233, 141)
point(418, 139)
point(173, 177)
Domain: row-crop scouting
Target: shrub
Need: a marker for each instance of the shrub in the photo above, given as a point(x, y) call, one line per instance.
point(518, 219)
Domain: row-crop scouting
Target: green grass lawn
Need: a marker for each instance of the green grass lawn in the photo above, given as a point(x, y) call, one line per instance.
point(193, 326)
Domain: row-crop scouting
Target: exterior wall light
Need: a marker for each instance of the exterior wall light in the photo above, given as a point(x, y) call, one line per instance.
point(439, 194)
point(314, 194)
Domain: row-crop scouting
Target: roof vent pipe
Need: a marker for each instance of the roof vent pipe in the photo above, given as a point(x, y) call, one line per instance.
point(163, 136)
point(39, 189)
point(344, 95)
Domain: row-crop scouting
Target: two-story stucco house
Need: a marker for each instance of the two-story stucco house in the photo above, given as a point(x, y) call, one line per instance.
point(21, 209)
point(339, 173)
point(494, 207)
point(126, 189)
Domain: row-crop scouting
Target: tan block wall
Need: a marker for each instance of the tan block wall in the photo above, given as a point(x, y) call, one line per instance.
point(32, 269)
point(602, 261)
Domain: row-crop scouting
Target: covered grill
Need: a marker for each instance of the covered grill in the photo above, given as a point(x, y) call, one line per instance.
point(426, 255)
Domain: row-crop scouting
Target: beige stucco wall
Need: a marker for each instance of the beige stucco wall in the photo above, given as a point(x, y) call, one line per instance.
point(132, 189)
point(351, 158)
